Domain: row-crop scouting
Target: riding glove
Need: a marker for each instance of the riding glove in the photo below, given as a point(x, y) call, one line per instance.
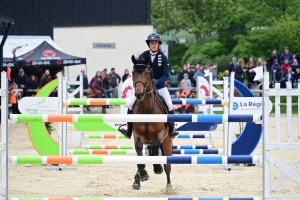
point(154, 81)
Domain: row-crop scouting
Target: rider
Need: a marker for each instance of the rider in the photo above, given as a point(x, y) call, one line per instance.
point(160, 66)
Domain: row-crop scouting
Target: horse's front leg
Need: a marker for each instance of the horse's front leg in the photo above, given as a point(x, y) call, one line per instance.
point(157, 168)
point(141, 174)
point(167, 149)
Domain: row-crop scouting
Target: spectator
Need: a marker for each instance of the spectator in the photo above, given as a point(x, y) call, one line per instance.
point(286, 55)
point(275, 66)
point(114, 80)
point(189, 108)
point(295, 65)
point(296, 78)
point(96, 85)
point(183, 71)
point(289, 76)
point(46, 78)
point(278, 77)
point(173, 78)
point(239, 71)
point(106, 84)
point(226, 74)
point(251, 61)
point(214, 73)
point(125, 76)
point(298, 57)
point(271, 59)
point(189, 71)
point(250, 75)
point(186, 80)
point(22, 79)
point(178, 107)
point(285, 66)
point(230, 68)
point(32, 85)
point(260, 62)
point(199, 72)
point(194, 81)
point(84, 79)
point(14, 96)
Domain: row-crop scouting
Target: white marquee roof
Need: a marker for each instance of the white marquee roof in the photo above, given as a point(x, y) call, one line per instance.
point(31, 41)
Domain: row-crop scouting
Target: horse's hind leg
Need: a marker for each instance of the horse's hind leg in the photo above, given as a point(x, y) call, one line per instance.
point(141, 174)
point(157, 168)
point(167, 149)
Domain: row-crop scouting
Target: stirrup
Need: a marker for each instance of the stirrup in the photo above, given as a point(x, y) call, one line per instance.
point(173, 134)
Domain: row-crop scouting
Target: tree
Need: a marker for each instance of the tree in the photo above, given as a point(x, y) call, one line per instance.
point(198, 17)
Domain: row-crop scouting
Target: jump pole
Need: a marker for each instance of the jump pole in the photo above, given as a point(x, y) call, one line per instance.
point(118, 101)
point(195, 160)
point(133, 152)
point(114, 146)
point(120, 136)
point(134, 118)
point(132, 198)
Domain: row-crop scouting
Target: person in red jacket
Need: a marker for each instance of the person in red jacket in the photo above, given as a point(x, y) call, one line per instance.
point(96, 85)
point(285, 66)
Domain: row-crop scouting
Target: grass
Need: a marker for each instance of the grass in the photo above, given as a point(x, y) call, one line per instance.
point(283, 108)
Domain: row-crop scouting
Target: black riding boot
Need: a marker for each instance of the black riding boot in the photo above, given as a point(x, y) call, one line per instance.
point(127, 132)
point(172, 132)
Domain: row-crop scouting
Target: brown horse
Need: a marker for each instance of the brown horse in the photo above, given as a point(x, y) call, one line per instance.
point(154, 135)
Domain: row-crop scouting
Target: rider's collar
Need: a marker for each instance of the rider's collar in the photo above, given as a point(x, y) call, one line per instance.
point(153, 53)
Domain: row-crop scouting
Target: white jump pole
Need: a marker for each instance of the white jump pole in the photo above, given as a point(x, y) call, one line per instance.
point(4, 136)
point(60, 111)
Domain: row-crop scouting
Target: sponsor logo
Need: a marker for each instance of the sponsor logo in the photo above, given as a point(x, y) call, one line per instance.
point(59, 61)
point(35, 107)
point(41, 62)
point(71, 62)
point(8, 64)
point(235, 105)
point(27, 62)
point(49, 53)
point(124, 93)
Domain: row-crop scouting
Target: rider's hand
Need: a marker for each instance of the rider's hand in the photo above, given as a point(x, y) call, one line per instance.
point(154, 81)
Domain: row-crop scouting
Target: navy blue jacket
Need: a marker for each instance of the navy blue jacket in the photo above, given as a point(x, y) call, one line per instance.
point(22, 80)
point(286, 56)
point(32, 85)
point(85, 81)
point(230, 68)
point(161, 71)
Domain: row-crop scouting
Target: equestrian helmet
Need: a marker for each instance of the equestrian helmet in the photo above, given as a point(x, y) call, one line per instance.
point(155, 37)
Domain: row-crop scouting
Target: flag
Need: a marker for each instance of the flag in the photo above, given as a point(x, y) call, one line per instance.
point(8, 73)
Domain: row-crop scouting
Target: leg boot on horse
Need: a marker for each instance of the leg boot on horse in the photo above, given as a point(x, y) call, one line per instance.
point(141, 174)
point(172, 132)
point(157, 168)
point(127, 133)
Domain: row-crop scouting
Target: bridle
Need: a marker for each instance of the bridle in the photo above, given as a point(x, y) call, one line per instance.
point(149, 74)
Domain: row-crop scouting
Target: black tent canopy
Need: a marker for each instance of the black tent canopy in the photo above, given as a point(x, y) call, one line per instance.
point(46, 55)
point(8, 62)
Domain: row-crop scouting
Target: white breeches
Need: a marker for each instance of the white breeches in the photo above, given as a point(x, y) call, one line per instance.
point(162, 92)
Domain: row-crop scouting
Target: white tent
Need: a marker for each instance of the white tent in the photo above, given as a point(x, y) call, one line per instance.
point(26, 43)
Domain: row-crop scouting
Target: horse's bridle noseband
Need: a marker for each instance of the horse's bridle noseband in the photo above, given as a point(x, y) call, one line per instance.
point(149, 73)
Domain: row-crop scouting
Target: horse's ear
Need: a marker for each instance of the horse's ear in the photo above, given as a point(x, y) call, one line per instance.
point(133, 59)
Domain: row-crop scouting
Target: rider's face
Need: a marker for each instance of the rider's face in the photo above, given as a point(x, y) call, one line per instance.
point(153, 44)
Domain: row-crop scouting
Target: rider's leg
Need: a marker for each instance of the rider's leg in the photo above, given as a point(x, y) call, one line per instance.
point(128, 132)
point(165, 94)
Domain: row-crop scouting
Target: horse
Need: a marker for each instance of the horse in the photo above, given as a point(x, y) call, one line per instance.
point(154, 135)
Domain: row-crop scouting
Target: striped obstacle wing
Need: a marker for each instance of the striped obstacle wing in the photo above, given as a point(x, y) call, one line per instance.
point(132, 151)
point(135, 160)
point(115, 101)
point(120, 136)
point(113, 146)
point(134, 118)
point(131, 198)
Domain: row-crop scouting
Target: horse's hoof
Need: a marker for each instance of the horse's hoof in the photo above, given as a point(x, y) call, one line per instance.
point(136, 186)
point(158, 170)
point(169, 187)
point(145, 177)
